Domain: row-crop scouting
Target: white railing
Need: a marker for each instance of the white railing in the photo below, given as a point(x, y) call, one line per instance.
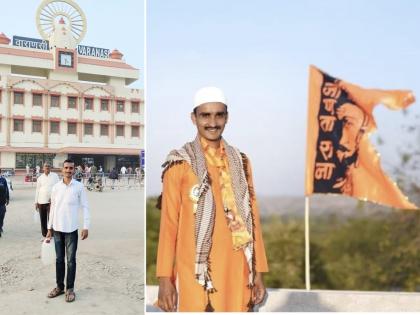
point(290, 300)
point(127, 181)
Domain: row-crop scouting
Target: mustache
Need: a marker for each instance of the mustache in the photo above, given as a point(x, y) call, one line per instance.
point(342, 148)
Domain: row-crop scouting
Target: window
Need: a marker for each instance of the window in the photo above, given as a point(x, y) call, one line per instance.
point(120, 130)
point(88, 103)
point(71, 128)
point(135, 131)
point(33, 159)
point(37, 99)
point(104, 130)
point(55, 100)
point(88, 129)
point(54, 127)
point(120, 106)
point(72, 102)
point(36, 125)
point(135, 107)
point(18, 125)
point(104, 104)
point(18, 97)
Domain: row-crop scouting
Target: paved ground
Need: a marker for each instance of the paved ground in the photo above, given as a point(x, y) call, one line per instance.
point(109, 279)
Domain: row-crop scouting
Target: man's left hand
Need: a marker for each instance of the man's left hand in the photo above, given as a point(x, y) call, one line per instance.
point(258, 290)
point(84, 235)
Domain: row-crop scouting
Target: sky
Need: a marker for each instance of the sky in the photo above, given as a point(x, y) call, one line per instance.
point(259, 53)
point(110, 24)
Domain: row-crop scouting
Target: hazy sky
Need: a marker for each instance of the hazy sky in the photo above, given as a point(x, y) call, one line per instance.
point(110, 24)
point(259, 52)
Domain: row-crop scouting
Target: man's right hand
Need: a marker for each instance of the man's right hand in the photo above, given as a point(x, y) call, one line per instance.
point(36, 206)
point(48, 237)
point(167, 297)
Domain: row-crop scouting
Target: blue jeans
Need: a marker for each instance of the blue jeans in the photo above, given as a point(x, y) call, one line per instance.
point(2, 214)
point(65, 245)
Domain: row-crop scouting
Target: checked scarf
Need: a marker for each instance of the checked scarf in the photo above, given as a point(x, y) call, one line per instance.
point(192, 153)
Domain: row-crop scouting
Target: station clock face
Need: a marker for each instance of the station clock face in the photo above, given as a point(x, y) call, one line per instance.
point(66, 59)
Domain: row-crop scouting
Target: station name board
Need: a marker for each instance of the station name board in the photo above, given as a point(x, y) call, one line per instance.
point(44, 45)
point(92, 51)
point(30, 43)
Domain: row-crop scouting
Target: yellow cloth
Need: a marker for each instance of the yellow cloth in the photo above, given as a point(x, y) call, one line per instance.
point(176, 249)
point(219, 159)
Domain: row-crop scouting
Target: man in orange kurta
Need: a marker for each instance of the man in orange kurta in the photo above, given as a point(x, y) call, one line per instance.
point(226, 274)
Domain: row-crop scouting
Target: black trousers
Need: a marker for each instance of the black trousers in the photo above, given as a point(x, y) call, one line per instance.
point(2, 214)
point(44, 215)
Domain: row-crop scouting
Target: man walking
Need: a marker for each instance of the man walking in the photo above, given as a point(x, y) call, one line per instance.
point(123, 170)
point(93, 171)
point(67, 197)
point(37, 170)
point(113, 176)
point(4, 200)
point(210, 227)
point(44, 185)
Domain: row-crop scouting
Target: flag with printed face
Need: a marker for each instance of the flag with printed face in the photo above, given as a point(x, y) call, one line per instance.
point(340, 158)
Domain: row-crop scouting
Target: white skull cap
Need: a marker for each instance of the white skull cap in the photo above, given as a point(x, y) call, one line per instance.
point(209, 94)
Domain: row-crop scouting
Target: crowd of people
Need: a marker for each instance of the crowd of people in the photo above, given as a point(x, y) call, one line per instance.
point(89, 173)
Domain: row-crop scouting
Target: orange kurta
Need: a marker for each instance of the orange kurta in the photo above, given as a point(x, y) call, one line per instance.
point(176, 251)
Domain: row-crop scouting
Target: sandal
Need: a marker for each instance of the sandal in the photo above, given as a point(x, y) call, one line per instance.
point(70, 296)
point(55, 292)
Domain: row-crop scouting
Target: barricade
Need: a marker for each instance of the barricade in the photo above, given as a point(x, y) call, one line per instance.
point(126, 181)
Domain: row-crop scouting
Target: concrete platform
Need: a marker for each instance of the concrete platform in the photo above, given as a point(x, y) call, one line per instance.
point(287, 300)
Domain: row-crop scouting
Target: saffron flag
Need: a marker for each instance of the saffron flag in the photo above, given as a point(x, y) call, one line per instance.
point(340, 158)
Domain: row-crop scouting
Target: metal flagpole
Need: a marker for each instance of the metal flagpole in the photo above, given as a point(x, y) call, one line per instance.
point(307, 261)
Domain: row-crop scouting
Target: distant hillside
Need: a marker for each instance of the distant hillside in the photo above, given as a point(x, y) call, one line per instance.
point(320, 205)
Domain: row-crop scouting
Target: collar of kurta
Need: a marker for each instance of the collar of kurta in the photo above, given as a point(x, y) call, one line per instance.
point(220, 151)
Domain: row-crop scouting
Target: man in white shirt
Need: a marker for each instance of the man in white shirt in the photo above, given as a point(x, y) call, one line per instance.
point(44, 185)
point(67, 197)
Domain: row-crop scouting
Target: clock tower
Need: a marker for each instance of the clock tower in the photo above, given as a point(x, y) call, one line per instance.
point(63, 24)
